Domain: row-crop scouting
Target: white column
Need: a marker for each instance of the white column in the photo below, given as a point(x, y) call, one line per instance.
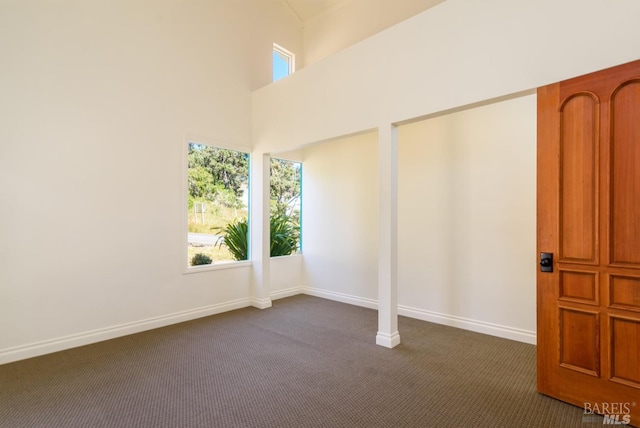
point(388, 335)
point(259, 230)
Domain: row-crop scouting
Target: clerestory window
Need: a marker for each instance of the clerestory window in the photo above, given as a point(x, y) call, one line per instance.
point(283, 62)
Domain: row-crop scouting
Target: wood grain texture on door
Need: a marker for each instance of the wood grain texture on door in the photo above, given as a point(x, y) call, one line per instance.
point(588, 214)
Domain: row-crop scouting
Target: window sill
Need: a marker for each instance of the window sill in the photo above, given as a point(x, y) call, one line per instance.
point(217, 266)
point(289, 255)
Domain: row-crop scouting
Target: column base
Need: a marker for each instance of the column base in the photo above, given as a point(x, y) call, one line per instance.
point(261, 303)
point(388, 340)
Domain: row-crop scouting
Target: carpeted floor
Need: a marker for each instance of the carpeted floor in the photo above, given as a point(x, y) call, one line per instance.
point(305, 362)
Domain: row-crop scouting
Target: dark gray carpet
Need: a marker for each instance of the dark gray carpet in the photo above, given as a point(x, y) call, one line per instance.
point(306, 362)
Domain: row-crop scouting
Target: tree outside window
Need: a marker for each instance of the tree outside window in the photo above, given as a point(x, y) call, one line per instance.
point(218, 181)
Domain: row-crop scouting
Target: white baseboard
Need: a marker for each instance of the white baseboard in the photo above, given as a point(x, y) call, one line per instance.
point(261, 303)
point(287, 292)
point(341, 297)
point(498, 330)
point(53, 345)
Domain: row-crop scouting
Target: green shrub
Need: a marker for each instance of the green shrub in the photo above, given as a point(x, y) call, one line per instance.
point(236, 238)
point(200, 259)
point(284, 235)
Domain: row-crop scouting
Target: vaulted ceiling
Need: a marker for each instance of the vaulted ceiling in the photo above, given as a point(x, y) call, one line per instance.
point(308, 9)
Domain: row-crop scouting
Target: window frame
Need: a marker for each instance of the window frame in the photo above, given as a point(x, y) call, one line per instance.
point(285, 53)
point(233, 264)
point(298, 252)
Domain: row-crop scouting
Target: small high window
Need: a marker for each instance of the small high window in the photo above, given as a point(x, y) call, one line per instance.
point(283, 62)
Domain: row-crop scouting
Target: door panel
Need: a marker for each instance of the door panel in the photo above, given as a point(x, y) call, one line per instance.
point(625, 351)
point(579, 287)
point(624, 292)
point(579, 345)
point(589, 216)
point(578, 176)
point(625, 177)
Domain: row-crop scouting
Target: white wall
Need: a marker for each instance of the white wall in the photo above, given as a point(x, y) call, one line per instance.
point(271, 22)
point(352, 21)
point(457, 53)
point(97, 100)
point(466, 219)
point(340, 223)
point(286, 277)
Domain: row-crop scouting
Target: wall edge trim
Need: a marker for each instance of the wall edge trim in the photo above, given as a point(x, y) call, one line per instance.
point(498, 330)
point(341, 297)
point(287, 292)
point(36, 349)
point(477, 326)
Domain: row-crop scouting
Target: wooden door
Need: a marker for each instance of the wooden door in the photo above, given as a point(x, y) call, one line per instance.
point(589, 218)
